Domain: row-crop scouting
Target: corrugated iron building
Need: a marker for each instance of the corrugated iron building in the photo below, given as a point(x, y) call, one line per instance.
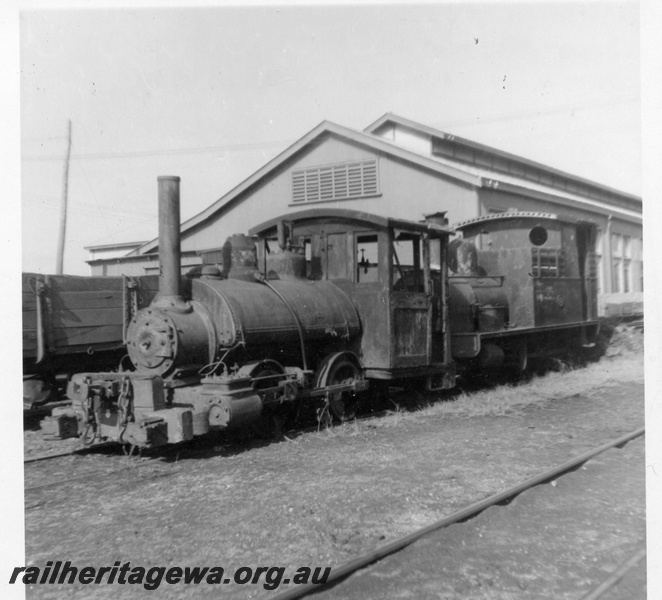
point(400, 168)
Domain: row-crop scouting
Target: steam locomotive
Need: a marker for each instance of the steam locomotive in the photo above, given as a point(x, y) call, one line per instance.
point(316, 306)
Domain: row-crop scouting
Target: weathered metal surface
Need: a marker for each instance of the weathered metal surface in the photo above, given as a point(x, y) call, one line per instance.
point(239, 258)
point(557, 301)
point(66, 316)
point(160, 341)
point(547, 279)
point(169, 240)
point(252, 314)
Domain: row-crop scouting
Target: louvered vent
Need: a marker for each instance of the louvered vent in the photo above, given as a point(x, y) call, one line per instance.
point(336, 182)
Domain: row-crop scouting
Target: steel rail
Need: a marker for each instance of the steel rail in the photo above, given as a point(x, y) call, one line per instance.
point(191, 453)
point(295, 431)
point(42, 457)
point(615, 577)
point(79, 451)
point(473, 509)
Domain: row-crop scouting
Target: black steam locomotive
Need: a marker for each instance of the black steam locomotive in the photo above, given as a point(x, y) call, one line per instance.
point(313, 306)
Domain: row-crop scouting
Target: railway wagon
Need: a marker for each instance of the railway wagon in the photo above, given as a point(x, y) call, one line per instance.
point(73, 323)
point(314, 306)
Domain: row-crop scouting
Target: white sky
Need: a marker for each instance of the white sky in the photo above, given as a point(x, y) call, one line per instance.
point(211, 94)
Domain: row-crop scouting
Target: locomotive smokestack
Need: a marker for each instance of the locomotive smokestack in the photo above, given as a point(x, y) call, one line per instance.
point(169, 242)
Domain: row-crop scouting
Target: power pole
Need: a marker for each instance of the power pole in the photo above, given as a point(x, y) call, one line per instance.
point(63, 210)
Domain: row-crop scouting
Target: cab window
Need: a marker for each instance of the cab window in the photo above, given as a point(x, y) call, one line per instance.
point(367, 258)
point(407, 269)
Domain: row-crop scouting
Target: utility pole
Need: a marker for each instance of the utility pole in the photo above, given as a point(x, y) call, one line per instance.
point(63, 211)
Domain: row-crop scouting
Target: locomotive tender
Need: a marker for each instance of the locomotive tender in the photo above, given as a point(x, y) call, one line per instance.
point(313, 306)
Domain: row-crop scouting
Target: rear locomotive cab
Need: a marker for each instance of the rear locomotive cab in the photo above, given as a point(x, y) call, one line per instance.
point(522, 284)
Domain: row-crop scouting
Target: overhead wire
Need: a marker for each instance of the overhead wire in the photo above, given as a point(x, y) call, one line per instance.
point(164, 152)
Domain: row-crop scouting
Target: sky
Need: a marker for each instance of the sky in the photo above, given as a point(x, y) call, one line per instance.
point(213, 93)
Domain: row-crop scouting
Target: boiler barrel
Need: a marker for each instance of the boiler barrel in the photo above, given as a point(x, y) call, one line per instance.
point(253, 313)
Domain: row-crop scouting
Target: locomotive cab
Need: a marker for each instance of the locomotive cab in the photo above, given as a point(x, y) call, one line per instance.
point(384, 265)
point(530, 272)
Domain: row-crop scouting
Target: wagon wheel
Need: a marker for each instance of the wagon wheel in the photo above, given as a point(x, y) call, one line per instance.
point(339, 369)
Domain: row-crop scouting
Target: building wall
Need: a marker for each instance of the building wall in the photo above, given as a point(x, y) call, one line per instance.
point(409, 191)
point(407, 138)
point(147, 266)
point(109, 253)
point(406, 191)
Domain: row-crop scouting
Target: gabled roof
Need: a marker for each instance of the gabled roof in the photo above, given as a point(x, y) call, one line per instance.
point(471, 174)
point(478, 149)
point(324, 129)
point(118, 246)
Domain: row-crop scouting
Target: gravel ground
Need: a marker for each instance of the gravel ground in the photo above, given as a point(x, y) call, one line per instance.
point(557, 540)
point(317, 498)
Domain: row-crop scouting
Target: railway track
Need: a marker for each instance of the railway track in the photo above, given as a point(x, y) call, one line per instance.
point(169, 452)
point(345, 570)
point(53, 455)
point(604, 587)
point(191, 452)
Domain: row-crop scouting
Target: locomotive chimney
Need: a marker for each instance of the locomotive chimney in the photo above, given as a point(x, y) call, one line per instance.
point(169, 242)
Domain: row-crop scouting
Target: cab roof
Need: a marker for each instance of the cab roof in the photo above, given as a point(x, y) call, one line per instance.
point(321, 216)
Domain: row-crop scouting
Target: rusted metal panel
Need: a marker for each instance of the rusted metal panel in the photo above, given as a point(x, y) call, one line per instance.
point(86, 317)
point(251, 313)
point(66, 315)
point(465, 345)
point(558, 301)
point(515, 265)
point(410, 333)
point(69, 301)
point(337, 265)
point(373, 304)
point(92, 338)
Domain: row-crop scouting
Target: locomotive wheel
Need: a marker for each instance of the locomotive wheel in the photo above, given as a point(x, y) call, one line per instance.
point(339, 369)
point(520, 357)
point(269, 424)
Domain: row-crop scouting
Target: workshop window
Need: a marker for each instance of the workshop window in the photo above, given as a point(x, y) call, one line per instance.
point(599, 240)
point(621, 262)
point(638, 264)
